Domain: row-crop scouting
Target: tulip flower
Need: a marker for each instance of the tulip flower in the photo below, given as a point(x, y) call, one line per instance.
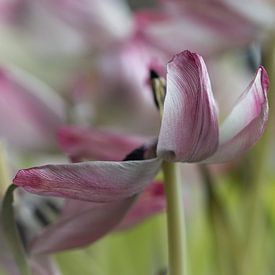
point(189, 132)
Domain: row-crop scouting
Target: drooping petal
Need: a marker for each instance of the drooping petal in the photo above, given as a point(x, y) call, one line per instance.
point(150, 202)
point(30, 112)
point(189, 129)
point(82, 143)
point(246, 122)
point(80, 224)
point(98, 181)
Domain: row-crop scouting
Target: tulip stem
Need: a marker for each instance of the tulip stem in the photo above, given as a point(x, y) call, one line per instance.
point(175, 220)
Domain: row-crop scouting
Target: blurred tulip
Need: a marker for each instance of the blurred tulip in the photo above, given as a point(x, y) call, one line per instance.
point(30, 112)
point(234, 21)
point(83, 143)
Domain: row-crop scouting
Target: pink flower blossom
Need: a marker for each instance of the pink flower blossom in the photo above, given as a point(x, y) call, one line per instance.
point(189, 133)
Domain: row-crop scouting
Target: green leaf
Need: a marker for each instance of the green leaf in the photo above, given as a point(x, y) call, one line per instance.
point(11, 233)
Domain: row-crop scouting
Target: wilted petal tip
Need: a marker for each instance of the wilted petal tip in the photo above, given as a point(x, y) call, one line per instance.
point(22, 175)
point(186, 54)
point(264, 78)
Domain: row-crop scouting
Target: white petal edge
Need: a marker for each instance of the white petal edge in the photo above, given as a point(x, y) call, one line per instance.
point(244, 126)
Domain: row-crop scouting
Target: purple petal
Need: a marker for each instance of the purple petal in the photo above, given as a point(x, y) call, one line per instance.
point(82, 143)
point(189, 129)
point(80, 224)
point(98, 181)
point(150, 202)
point(29, 111)
point(246, 123)
point(258, 12)
point(102, 22)
point(73, 27)
point(8, 10)
point(204, 28)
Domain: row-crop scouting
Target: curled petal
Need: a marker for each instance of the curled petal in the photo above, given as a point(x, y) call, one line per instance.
point(80, 224)
point(89, 144)
point(189, 129)
point(98, 181)
point(245, 124)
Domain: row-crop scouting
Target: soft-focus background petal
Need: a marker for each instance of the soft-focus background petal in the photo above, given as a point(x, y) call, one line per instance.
point(30, 112)
point(201, 26)
point(83, 143)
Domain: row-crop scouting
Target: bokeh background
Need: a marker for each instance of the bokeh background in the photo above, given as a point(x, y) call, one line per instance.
point(69, 69)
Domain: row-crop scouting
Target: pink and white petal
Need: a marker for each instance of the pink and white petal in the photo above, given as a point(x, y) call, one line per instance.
point(189, 128)
point(101, 22)
point(198, 26)
point(30, 112)
point(83, 143)
point(73, 27)
point(8, 10)
point(98, 181)
point(246, 123)
point(259, 12)
point(84, 225)
point(132, 85)
point(150, 202)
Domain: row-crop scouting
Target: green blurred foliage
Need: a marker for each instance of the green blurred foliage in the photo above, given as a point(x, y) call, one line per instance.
point(139, 250)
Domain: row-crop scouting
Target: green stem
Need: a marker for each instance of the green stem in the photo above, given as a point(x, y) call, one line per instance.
point(11, 232)
point(175, 220)
point(4, 171)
